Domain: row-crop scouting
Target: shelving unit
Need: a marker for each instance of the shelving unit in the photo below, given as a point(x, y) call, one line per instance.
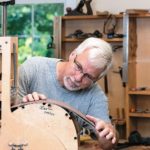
point(66, 25)
point(137, 62)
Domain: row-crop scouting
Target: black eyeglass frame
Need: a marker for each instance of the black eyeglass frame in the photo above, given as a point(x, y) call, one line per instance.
point(85, 75)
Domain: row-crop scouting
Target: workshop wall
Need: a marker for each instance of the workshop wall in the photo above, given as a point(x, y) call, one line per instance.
point(117, 6)
point(101, 5)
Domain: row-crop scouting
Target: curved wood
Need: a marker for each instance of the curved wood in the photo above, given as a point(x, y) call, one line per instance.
point(75, 114)
point(38, 126)
point(48, 116)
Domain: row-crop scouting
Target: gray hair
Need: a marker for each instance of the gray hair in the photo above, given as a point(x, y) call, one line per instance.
point(100, 53)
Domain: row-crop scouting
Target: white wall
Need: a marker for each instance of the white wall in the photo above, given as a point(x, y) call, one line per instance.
point(116, 6)
point(113, 6)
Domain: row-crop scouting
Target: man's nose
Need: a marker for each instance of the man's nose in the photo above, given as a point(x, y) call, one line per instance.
point(79, 76)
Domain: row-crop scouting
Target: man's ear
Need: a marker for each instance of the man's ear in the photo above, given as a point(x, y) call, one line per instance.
point(72, 55)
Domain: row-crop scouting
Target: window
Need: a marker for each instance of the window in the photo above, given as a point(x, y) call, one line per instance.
point(33, 24)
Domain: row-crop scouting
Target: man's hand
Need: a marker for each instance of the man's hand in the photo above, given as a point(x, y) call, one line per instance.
point(33, 97)
point(104, 129)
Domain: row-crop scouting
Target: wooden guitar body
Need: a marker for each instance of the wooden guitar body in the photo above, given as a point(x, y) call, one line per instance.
point(30, 127)
point(39, 126)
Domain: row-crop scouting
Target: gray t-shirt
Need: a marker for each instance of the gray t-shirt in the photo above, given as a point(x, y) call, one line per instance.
point(38, 74)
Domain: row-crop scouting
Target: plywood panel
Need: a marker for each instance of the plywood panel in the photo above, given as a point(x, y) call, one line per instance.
point(115, 86)
point(143, 48)
point(143, 74)
point(143, 52)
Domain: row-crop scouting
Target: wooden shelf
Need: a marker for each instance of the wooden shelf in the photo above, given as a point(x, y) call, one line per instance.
point(144, 92)
point(140, 115)
point(146, 15)
point(113, 40)
point(86, 17)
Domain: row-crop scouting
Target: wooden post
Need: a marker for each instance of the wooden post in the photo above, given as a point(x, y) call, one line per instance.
point(6, 47)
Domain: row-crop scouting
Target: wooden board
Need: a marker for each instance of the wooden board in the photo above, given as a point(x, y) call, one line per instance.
point(38, 126)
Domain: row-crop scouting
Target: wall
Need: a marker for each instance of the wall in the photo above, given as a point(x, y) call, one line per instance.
point(116, 6)
point(101, 5)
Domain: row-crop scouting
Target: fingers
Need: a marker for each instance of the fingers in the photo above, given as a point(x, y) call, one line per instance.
point(114, 140)
point(109, 135)
point(104, 132)
point(25, 98)
point(41, 96)
point(33, 97)
point(104, 129)
point(91, 118)
point(100, 125)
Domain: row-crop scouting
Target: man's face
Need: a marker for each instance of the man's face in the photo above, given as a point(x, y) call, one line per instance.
point(80, 74)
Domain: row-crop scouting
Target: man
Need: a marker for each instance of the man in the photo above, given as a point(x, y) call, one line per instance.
point(73, 82)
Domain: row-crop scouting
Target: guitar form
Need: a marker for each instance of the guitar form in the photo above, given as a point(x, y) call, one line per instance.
point(36, 126)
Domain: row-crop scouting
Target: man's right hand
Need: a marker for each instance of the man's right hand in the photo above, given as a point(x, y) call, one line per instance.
point(33, 97)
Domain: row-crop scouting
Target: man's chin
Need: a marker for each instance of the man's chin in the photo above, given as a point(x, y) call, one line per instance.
point(69, 87)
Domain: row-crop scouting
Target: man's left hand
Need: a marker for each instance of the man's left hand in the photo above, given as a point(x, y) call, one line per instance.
point(104, 129)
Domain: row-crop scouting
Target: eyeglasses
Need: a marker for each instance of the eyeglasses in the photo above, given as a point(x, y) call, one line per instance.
point(78, 67)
